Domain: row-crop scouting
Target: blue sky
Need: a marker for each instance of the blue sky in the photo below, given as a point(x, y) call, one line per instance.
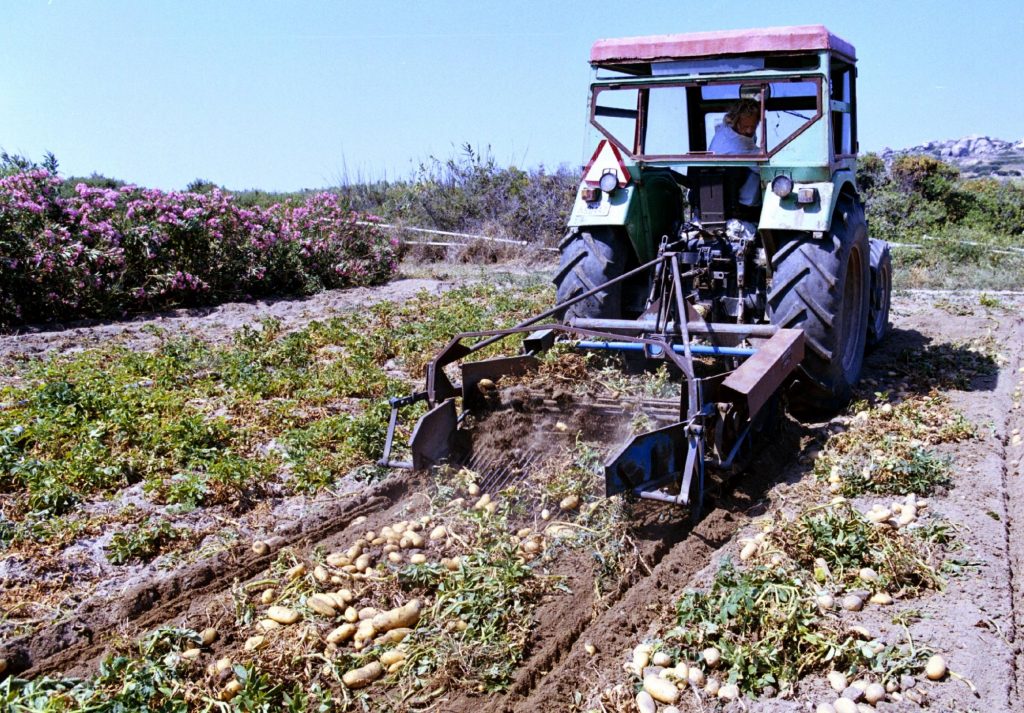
point(287, 95)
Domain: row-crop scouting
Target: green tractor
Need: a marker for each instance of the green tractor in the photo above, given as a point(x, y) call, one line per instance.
point(717, 229)
point(772, 221)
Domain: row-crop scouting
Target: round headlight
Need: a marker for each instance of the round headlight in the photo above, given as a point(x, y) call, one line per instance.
point(782, 186)
point(609, 182)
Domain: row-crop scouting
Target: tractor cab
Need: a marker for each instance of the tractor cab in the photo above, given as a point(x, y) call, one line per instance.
point(657, 103)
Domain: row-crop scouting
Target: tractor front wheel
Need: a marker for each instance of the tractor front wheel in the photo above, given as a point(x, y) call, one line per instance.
point(822, 286)
point(881, 291)
point(589, 258)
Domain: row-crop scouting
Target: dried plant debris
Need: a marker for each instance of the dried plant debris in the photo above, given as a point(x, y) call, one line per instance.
point(890, 448)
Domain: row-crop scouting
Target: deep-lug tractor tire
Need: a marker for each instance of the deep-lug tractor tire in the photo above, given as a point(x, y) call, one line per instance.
point(823, 287)
point(881, 292)
point(590, 258)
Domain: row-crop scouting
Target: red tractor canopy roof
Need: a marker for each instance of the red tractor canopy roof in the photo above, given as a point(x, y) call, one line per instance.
point(765, 40)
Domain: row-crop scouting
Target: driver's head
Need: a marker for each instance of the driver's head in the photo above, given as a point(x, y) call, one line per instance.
point(743, 117)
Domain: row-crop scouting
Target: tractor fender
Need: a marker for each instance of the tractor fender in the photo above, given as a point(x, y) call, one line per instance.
point(786, 214)
point(647, 208)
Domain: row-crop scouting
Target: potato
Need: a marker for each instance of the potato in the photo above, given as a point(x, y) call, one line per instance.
point(748, 551)
point(874, 693)
point(208, 636)
point(407, 615)
point(341, 634)
point(641, 657)
point(473, 489)
point(393, 656)
point(660, 658)
point(661, 690)
point(190, 654)
point(645, 703)
point(838, 681)
point(729, 692)
point(322, 604)
point(868, 574)
point(712, 656)
point(569, 502)
point(935, 669)
point(363, 676)
point(418, 558)
point(351, 614)
point(320, 573)
point(844, 705)
point(255, 643)
point(712, 686)
point(883, 598)
point(851, 602)
point(223, 664)
point(395, 636)
point(230, 690)
point(362, 563)
point(283, 615)
point(337, 560)
point(483, 502)
point(364, 633)
point(267, 625)
point(545, 514)
point(296, 571)
point(260, 548)
point(696, 677)
point(268, 595)
point(395, 557)
point(439, 533)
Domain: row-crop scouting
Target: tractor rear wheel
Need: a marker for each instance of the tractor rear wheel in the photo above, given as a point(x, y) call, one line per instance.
point(590, 258)
point(881, 291)
point(823, 287)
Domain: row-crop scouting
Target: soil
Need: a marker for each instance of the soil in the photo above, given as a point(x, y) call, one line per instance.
point(579, 643)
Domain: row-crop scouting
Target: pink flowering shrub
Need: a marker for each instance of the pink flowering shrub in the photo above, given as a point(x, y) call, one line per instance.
point(100, 252)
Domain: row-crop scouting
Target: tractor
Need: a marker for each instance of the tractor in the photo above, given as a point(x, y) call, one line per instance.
point(683, 247)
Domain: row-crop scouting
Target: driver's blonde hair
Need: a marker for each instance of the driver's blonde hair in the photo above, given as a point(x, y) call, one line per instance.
point(744, 107)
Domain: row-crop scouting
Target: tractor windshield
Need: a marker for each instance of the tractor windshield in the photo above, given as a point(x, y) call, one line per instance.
point(678, 120)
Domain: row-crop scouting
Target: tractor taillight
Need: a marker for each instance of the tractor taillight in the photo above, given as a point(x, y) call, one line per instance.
point(807, 195)
point(782, 186)
point(590, 194)
point(609, 181)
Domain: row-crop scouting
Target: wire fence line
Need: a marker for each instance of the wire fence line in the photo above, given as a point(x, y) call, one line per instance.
point(1004, 250)
point(448, 233)
point(523, 243)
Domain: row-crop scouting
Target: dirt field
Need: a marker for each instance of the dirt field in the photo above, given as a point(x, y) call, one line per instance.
point(612, 571)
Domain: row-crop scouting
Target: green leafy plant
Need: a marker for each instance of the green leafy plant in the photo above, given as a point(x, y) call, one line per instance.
point(144, 542)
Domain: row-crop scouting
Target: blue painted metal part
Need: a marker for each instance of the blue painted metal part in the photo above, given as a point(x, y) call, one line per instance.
point(701, 349)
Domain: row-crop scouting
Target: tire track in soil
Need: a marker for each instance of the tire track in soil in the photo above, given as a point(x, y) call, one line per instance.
point(1013, 497)
point(561, 666)
point(77, 642)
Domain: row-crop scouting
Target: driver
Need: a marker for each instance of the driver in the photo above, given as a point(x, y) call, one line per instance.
point(735, 135)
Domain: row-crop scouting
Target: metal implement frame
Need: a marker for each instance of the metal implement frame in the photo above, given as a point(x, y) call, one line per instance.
point(650, 461)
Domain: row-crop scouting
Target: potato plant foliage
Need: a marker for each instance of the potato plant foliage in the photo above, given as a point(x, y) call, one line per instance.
point(190, 420)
